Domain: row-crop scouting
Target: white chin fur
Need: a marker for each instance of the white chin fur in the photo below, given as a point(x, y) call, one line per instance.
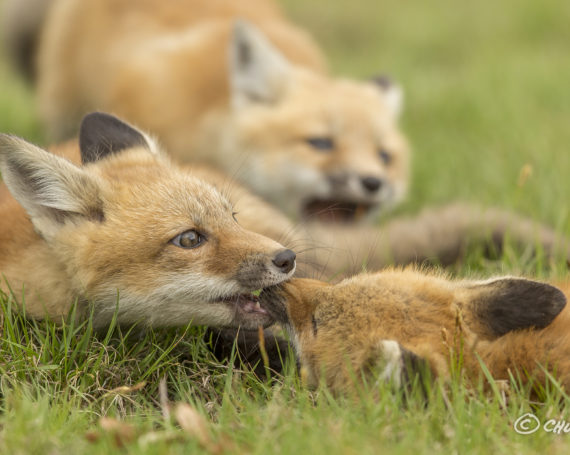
point(190, 299)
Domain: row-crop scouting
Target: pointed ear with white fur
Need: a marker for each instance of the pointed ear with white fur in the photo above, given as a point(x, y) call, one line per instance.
point(51, 189)
point(258, 71)
point(393, 94)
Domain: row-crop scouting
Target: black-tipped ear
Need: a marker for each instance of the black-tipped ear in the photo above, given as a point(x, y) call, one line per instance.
point(383, 81)
point(102, 134)
point(258, 70)
point(392, 91)
point(512, 303)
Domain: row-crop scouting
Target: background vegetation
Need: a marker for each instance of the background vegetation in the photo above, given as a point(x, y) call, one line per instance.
point(487, 94)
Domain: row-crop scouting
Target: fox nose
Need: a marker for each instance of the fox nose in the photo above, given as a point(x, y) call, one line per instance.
point(372, 184)
point(285, 260)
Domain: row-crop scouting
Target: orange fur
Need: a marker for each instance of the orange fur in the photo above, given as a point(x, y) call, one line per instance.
point(379, 319)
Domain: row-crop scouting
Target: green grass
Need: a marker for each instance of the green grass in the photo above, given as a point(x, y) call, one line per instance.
point(57, 382)
point(487, 93)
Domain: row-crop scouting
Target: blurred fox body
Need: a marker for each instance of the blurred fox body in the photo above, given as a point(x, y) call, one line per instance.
point(392, 324)
point(127, 232)
point(251, 98)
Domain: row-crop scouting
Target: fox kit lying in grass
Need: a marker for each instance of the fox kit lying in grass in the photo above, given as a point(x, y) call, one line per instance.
point(129, 232)
point(252, 100)
point(75, 267)
point(391, 324)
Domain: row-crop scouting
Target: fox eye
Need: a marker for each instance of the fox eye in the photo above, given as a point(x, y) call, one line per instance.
point(385, 156)
point(234, 216)
point(189, 239)
point(323, 144)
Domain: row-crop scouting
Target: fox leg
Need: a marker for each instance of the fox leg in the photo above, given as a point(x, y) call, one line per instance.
point(391, 362)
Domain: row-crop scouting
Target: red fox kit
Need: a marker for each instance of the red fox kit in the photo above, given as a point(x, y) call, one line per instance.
point(389, 324)
point(129, 232)
point(232, 84)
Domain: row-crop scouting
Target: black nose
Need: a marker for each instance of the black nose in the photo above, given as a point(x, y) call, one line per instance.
point(372, 184)
point(285, 260)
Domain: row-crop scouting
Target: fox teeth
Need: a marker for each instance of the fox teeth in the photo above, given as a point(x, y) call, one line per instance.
point(257, 305)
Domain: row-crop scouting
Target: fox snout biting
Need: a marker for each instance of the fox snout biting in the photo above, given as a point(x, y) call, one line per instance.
point(252, 262)
point(129, 233)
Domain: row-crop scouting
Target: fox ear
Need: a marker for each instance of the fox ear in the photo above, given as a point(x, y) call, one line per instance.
point(51, 189)
point(392, 93)
point(507, 304)
point(102, 134)
point(258, 71)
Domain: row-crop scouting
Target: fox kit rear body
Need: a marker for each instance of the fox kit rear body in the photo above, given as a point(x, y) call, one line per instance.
point(251, 98)
point(387, 325)
point(129, 232)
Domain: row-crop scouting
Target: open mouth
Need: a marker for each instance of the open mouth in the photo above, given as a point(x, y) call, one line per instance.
point(335, 210)
point(246, 303)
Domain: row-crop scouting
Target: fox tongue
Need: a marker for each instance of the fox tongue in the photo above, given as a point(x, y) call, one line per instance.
point(248, 303)
point(250, 306)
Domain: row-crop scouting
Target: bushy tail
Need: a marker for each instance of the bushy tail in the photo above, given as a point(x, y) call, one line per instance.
point(22, 22)
point(437, 235)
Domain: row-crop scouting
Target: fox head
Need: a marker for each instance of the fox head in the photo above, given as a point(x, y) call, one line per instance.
point(316, 146)
point(137, 235)
point(321, 147)
point(396, 316)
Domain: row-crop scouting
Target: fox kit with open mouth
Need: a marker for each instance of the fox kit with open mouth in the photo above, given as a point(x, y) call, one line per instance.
point(235, 85)
point(391, 325)
point(128, 232)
